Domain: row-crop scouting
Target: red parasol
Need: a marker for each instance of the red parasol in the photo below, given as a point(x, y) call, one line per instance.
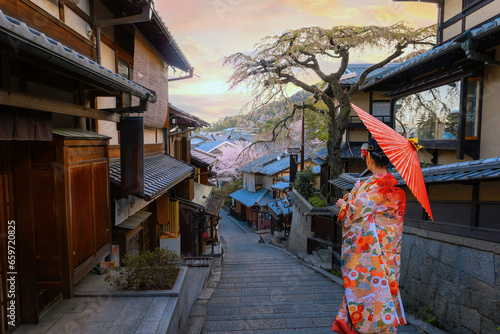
point(403, 154)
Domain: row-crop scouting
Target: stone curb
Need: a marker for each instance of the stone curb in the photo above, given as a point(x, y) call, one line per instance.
point(423, 325)
point(140, 293)
point(198, 315)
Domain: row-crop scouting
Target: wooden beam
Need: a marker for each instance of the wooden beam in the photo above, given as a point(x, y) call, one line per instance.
point(28, 101)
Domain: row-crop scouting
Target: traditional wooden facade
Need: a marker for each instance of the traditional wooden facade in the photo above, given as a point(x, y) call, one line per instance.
point(66, 71)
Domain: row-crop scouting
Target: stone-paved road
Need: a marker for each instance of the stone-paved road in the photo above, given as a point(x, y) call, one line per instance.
point(264, 290)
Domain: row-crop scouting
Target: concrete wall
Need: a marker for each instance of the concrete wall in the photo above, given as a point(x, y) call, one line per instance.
point(456, 276)
point(300, 229)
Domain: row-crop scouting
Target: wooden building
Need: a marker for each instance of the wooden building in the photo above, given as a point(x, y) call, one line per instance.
point(66, 82)
point(446, 97)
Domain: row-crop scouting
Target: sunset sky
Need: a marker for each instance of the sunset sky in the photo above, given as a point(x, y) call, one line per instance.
point(209, 30)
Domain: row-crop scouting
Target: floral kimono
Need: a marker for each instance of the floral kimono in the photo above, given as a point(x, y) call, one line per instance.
point(371, 248)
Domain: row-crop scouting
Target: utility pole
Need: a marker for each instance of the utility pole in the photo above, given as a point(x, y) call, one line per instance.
point(302, 140)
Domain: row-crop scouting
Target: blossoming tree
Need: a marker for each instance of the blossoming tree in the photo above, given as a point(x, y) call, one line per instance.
point(279, 61)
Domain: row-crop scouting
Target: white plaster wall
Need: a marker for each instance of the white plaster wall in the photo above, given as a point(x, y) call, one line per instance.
point(84, 5)
point(49, 6)
point(149, 136)
point(452, 31)
point(452, 8)
point(490, 121)
point(75, 22)
point(483, 14)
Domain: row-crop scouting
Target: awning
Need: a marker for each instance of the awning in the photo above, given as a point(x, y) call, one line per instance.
point(204, 159)
point(249, 198)
point(161, 172)
point(202, 194)
point(281, 186)
point(214, 205)
point(133, 221)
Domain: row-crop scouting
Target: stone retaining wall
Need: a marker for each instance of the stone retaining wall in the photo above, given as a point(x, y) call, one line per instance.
point(299, 231)
point(456, 276)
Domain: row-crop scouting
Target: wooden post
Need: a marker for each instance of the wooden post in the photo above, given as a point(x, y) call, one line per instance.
point(302, 140)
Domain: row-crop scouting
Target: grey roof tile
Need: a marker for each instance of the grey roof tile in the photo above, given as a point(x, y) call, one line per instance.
point(484, 30)
point(52, 46)
point(161, 172)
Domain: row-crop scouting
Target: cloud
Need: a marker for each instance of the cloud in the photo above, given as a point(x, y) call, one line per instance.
point(331, 9)
point(207, 31)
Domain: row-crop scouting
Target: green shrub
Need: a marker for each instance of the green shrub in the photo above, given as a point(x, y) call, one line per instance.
point(305, 183)
point(336, 273)
point(427, 313)
point(317, 201)
point(155, 270)
point(227, 189)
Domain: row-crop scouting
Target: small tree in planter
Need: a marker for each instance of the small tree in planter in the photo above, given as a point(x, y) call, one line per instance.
point(155, 270)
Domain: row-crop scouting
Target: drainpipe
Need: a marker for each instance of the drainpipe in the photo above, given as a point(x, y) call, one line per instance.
point(98, 43)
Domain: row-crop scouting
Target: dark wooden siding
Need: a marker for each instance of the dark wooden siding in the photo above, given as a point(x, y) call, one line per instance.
point(7, 213)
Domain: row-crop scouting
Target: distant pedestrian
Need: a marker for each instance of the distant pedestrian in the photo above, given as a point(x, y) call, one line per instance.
point(372, 216)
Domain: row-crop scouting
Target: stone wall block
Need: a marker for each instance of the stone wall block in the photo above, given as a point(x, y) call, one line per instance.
point(408, 238)
point(470, 319)
point(488, 326)
point(450, 255)
point(484, 297)
point(451, 275)
point(478, 264)
point(497, 271)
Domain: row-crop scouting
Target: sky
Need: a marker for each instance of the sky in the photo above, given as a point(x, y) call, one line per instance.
point(207, 31)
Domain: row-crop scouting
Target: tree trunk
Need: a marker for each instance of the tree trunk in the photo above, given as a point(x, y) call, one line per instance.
point(336, 128)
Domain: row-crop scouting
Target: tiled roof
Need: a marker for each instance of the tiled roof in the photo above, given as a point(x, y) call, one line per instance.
point(320, 161)
point(161, 172)
point(203, 158)
point(269, 164)
point(186, 118)
point(214, 205)
point(18, 30)
point(281, 186)
point(78, 134)
point(266, 199)
point(354, 71)
point(249, 198)
point(316, 169)
point(456, 172)
point(273, 207)
point(281, 206)
point(476, 34)
point(208, 146)
point(255, 165)
point(286, 206)
point(276, 166)
point(322, 153)
point(347, 152)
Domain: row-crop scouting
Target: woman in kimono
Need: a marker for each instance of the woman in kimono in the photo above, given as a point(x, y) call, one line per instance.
point(372, 217)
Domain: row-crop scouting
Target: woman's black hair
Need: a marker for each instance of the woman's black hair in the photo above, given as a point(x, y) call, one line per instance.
point(376, 153)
